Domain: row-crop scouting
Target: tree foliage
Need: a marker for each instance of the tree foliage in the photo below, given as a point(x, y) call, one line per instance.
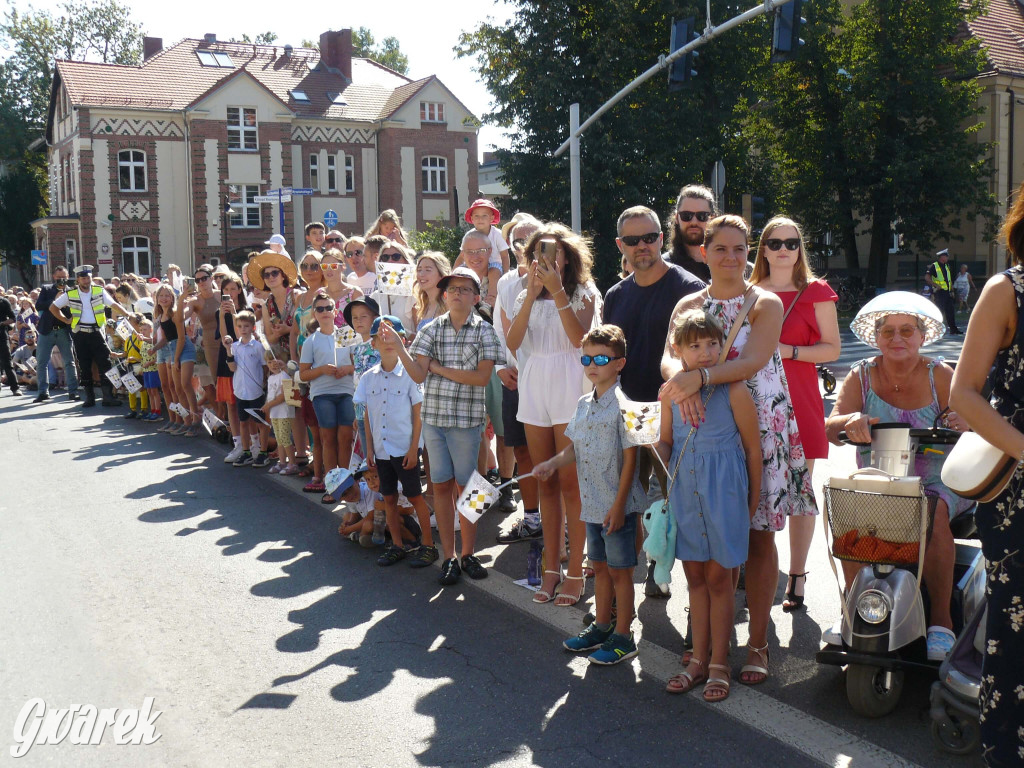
point(21, 201)
point(389, 52)
point(438, 237)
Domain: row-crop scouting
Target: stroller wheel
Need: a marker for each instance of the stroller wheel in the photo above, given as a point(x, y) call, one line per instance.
point(956, 734)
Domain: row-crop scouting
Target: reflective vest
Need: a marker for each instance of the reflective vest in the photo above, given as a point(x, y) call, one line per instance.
point(941, 276)
point(75, 305)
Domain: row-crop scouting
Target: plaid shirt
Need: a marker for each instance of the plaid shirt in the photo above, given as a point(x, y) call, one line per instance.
point(446, 403)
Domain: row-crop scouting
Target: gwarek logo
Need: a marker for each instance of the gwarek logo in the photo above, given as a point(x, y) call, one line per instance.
point(82, 724)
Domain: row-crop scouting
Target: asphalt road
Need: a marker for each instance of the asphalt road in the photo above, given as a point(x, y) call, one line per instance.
point(139, 565)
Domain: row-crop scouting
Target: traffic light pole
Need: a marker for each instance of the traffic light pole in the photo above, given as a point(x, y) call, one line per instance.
point(575, 131)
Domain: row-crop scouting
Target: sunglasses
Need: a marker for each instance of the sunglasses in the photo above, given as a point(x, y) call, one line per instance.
point(271, 273)
point(202, 279)
point(477, 251)
point(775, 244)
point(331, 266)
point(598, 360)
point(353, 253)
point(310, 267)
point(333, 240)
point(701, 216)
point(322, 308)
point(905, 332)
point(633, 240)
point(395, 257)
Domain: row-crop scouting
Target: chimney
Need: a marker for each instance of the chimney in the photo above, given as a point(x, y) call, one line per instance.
point(151, 46)
point(336, 52)
point(210, 37)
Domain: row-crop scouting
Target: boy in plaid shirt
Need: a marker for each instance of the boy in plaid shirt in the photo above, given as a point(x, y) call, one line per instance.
point(453, 357)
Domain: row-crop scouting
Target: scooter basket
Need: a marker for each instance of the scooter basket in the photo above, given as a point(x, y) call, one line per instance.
point(874, 526)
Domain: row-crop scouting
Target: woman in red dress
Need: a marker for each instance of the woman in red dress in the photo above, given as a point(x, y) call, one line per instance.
point(810, 335)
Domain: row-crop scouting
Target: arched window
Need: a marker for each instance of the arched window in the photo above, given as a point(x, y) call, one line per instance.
point(434, 173)
point(131, 170)
point(135, 256)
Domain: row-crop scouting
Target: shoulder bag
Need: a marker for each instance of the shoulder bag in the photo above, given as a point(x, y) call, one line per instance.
point(977, 470)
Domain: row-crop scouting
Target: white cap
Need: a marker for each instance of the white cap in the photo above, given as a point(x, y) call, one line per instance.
point(275, 240)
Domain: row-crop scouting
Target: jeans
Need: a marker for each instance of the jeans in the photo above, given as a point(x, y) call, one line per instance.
point(60, 338)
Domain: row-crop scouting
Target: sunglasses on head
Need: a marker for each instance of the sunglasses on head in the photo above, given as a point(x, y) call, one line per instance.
point(271, 273)
point(598, 360)
point(395, 257)
point(633, 240)
point(775, 244)
point(323, 308)
point(701, 216)
point(310, 266)
point(333, 240)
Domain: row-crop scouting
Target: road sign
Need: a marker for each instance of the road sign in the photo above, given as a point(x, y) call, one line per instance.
point(272, 199)
point(38, 257)
point(282, 190)
point(330, 219)
point(303, 191)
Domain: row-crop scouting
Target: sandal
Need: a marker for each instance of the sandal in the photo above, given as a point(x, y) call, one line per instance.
point(327, 499)
point(305, 470)
point(543, 596)
point(794, 601)
point(316, 485)
point(571, 600)
point(754, 669)
point(684, 682)
point(716, 689)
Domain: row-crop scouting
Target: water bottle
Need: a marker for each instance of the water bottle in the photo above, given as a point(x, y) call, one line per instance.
point(379, 525)
point(534, 560)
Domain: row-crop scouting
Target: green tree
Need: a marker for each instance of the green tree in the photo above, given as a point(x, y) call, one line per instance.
point(388, 53)
point(263, 38)
point(21, 201)
point(438, 237)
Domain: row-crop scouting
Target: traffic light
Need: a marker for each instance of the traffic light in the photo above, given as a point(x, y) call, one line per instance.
point(681, 70)
point(786, 40)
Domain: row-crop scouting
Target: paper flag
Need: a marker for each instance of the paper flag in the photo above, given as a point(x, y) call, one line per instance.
point(643, 422)
point(395, 279)
point(476, 497)
point(114, 376)
point(256, 415)
point(346, 337)
point(123, 329)
point(129, 382)
point(179, 409)
point(210, 420)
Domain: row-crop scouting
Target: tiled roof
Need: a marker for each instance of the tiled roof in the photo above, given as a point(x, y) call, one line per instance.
point(176, 79)
point(1001, 30)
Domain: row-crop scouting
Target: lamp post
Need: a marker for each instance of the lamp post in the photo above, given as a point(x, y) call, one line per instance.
point(225, 212)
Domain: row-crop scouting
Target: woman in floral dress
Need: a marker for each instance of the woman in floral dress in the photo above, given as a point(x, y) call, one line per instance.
point(754, 357)
point(996, 335)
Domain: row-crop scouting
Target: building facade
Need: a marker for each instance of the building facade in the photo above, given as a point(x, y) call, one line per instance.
point(172, 161)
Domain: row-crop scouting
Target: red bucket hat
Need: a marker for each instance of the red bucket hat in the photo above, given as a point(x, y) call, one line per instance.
point(483, 203)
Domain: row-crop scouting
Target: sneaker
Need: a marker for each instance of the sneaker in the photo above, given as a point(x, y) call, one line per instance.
point(130, 415)
point(615, 649)
point(391, 556)
point(422, 556)
point(244, 460)
point(834, 634)
point(153, 416)
point(940, 643)
point(41, 398)
point(520, 532)
point(276, 469)
point(290, 469)
point(590, 639)
point(233, 454)
point(450, 572)
point(473, 568)
point(261, 460)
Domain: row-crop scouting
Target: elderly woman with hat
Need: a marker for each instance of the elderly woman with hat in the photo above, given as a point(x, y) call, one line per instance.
point(902, 385)
point(276, 273)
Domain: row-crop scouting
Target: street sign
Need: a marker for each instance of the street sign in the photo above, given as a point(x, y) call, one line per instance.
point(330, 219)
point(272, 199)
point(282, 190)
point(38, 257)
point(303, 191)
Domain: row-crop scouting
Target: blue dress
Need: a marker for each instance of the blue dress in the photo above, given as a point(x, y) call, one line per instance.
point(709, 495)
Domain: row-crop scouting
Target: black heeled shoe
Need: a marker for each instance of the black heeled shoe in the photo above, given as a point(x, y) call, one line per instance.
point(793, 600)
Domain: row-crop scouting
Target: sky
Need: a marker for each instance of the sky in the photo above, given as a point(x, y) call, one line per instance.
point(425, 35)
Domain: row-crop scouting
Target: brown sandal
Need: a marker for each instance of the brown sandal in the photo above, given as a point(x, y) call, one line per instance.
point(716, 689)
point(684, 682)
point(755, 669)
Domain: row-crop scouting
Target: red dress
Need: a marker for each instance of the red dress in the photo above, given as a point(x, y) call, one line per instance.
point(801, 330)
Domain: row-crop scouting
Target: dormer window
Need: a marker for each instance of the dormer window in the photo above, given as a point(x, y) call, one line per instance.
point(431, 112)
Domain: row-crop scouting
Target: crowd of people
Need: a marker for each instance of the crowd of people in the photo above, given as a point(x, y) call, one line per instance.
point(319, 367)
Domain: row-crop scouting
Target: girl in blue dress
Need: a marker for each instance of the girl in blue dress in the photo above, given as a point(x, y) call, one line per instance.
point(715, 488)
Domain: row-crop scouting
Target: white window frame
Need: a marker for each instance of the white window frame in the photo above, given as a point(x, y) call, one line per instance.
point(136, 166)
point(314, 171)
point(239, 130)
point(350, 173)
point(136, 247)
point(248, 213)
point(432, 112)
point(434, 175)
point(332, 173)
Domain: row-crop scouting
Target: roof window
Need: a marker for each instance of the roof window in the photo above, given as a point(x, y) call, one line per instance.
point(299, 95)
point(211, 59)
point(336, 98)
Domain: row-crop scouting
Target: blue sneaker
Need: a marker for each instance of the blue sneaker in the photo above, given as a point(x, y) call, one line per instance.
point(590, 639)
point(615, 649)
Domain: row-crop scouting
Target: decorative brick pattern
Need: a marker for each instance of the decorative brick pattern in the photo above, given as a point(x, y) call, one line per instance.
point(131, 127)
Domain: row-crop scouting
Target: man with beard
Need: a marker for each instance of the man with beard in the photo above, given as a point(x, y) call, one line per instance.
point(695, 206)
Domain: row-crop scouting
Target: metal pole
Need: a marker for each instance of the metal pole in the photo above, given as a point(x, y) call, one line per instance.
point(280, 209)
point(574, 166)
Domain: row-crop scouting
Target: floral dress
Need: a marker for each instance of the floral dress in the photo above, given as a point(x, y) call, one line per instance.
point(785, 482)
point(1001, 529)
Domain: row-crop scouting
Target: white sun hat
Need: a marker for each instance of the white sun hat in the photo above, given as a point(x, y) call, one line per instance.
point(898, 303)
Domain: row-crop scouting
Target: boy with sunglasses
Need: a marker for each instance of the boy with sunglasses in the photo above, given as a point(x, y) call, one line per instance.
point(610, 496)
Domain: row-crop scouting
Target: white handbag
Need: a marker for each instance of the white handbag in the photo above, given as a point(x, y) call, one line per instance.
point(975, 469)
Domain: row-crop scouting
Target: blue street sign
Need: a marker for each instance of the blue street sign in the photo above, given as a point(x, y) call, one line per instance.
point(38, 257)
point(281, 191)
point(330, 219)
point(303, 191)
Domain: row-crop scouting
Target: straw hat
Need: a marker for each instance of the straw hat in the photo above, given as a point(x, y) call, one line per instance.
point(898, 303)
point(255, 268)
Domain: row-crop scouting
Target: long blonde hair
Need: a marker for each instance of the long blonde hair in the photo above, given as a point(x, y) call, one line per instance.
point(158, 310)
point(802, 273)
point(389, 215)
point(444, 267)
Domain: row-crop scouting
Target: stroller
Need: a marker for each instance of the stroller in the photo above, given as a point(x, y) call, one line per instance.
point(954, 697)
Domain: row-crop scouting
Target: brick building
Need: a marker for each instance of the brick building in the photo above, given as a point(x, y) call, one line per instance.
point(144, 160)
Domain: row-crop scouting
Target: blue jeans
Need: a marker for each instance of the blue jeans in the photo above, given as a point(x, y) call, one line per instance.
point(618, 549)
point(60, 338)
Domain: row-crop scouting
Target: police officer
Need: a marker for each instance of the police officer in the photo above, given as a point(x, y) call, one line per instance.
point(54, 334)
point(940, 278)
point(86, 303)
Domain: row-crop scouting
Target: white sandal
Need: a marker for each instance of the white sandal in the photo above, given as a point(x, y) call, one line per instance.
point(542, 596)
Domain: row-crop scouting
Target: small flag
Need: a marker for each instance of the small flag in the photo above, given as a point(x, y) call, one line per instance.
point(210, 420)
point(395, 279)
point(476, 497)
point(129, 382)
point(114, 376)
point(256, 415)
point(123, 329)
point(345, 337)
point(643, 422)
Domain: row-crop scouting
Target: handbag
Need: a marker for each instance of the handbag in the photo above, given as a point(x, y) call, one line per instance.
point(977, 470)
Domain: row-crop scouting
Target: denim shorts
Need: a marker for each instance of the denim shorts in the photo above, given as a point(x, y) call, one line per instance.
point(165, 355)
point(334, 410)
point(452, 452)
point(618, 549)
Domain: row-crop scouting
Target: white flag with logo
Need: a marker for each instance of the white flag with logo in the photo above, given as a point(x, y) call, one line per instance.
point(395, 279)
point(643, 421)
point(114, 376)
point(129, 382)
point(476, 497)
point(123, 329)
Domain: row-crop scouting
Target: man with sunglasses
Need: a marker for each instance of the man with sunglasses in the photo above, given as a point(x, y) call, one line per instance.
point(695, 206)
point(334, 239)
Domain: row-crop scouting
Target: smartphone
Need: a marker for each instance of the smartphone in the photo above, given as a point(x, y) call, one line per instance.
point(547, 252)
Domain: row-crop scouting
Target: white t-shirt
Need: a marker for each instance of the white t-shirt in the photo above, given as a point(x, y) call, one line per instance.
point(275, 386)
point(498, 245)
point(365, 283)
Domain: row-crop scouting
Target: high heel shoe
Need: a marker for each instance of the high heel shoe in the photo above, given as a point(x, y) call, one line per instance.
point(542, 595)
point(794, 601)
